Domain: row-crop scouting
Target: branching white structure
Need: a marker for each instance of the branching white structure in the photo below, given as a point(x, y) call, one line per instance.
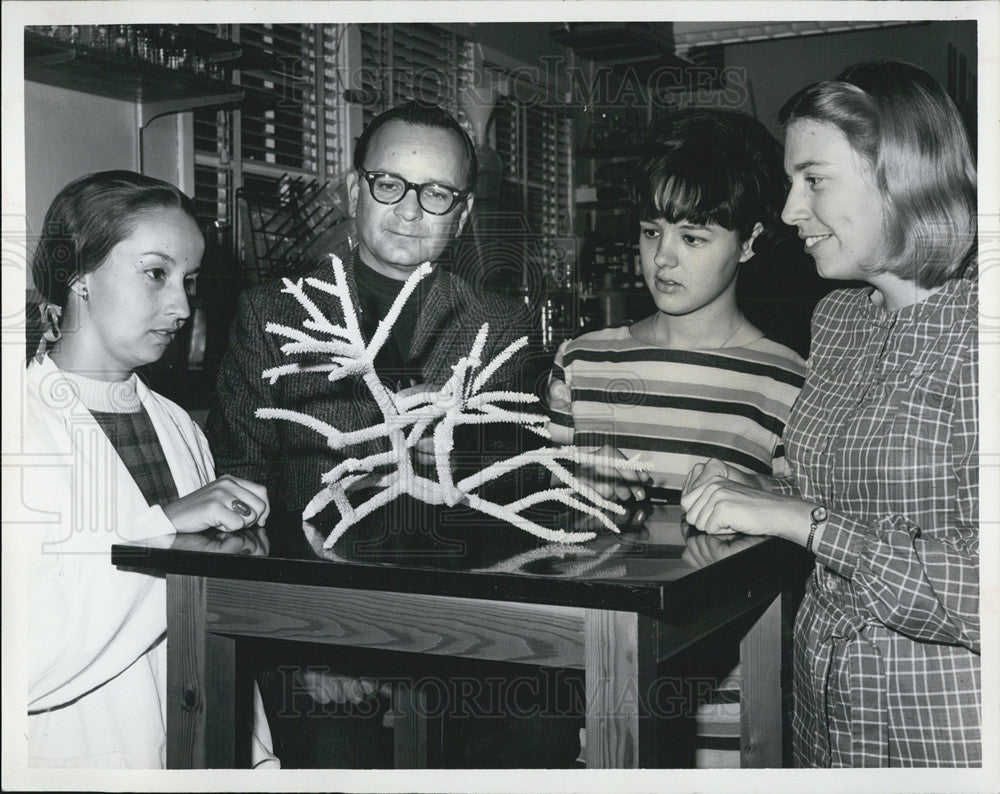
point(463, 400)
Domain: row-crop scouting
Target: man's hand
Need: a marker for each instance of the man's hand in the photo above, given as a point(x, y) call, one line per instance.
point(423, 451)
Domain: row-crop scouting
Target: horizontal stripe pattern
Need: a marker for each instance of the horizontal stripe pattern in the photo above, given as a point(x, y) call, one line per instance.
point(677, 408)
point(730, 358)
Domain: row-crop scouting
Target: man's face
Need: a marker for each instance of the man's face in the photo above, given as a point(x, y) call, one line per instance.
point(394, 239)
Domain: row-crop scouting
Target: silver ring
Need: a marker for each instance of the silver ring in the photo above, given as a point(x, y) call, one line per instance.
point(241, 508)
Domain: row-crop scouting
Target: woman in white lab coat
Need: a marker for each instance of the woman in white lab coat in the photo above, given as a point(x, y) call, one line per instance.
point(108, 460)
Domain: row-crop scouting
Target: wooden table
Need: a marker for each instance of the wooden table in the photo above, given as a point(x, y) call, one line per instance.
point(453, 584)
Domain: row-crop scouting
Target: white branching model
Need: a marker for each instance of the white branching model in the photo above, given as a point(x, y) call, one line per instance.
point(463, 400)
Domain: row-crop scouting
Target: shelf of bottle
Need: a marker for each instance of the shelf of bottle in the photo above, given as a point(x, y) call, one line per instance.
point(156, 89)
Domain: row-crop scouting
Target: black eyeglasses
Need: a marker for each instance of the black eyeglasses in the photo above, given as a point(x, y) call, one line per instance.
point(433, 197)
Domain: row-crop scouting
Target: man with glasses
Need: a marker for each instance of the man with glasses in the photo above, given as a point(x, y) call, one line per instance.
point(410, 193)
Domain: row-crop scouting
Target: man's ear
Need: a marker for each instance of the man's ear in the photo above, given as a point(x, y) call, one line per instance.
point(353, 184)
point(748, 251)
point(469, 201)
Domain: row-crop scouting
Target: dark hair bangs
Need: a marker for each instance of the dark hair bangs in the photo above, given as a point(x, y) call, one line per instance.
point(675, 197)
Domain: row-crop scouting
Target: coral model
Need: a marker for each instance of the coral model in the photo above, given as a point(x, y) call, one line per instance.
point(463, 400)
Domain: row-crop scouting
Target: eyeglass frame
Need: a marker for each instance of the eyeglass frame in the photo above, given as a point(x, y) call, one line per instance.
point(456, 194)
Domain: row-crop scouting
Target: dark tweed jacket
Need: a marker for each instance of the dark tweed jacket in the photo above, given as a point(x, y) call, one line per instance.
point(290, 459)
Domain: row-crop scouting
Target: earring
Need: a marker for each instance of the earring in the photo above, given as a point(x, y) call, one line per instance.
point(84, 293)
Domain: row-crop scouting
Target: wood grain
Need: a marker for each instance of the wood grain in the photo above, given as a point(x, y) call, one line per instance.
point(185, 666)
point(417, 736)
point(480, 629)
point(220, 697)
point(761, 698)
point(621, 670)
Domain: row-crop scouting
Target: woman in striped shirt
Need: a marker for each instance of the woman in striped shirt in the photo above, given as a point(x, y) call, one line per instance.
point(883, 442)
point(696, 379)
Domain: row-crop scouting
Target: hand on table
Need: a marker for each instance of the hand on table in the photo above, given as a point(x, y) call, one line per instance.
point(252, 541)
point(612, 482)
point(701, 549)
point(720, 500)
point(714, 468)
point(325, 686)
point(228, 503)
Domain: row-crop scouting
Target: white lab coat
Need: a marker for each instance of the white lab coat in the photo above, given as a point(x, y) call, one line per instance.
point(97, 663)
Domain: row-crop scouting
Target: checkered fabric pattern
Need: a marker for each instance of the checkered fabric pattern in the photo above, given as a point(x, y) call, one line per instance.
point(885, 434)
point(134, 439)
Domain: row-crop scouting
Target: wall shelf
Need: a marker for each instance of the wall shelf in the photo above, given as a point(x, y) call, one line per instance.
point(155, 89)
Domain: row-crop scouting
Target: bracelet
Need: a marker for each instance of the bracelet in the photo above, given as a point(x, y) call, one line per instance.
point(812, 534)
point(817, 517)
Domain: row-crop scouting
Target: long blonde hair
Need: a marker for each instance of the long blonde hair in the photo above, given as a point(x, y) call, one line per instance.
point(901, 122)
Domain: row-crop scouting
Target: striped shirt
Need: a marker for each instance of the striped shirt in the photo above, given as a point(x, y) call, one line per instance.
point(885, 435)
point(677, 407)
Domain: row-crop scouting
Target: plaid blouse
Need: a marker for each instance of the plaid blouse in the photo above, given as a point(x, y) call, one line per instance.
point(134, 439)
point(118, 411)
point(885, 435)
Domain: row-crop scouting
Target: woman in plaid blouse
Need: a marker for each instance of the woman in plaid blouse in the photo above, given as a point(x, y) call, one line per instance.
point(883, 442)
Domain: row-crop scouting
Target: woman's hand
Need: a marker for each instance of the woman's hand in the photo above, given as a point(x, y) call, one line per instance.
point(701, 550)
point(228, 503)
point(612, 482)
point(703, 472)
point(719, 506)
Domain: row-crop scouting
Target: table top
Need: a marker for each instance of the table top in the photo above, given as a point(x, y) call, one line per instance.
point(415, 548)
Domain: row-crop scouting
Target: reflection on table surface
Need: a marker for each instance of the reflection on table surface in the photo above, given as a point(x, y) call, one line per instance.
point(655, 544)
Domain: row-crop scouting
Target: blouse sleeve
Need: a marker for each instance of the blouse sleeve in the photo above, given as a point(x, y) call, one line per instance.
point(923, 584)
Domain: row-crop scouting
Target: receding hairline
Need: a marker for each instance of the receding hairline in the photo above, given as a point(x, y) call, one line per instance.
point(460, 144)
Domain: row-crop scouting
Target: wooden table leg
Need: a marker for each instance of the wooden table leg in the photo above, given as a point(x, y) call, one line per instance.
point(185, 663)
point(226, 746)
point(417, 740)
point(620, 665)
point(760, 711)
point(202, 702)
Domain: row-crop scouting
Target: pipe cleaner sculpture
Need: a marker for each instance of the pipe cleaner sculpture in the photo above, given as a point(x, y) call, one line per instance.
point(462, 400)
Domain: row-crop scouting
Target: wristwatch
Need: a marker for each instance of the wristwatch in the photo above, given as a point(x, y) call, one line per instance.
point(816, 517)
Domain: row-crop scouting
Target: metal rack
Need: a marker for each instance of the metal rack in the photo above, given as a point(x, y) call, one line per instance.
point(289, 229)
